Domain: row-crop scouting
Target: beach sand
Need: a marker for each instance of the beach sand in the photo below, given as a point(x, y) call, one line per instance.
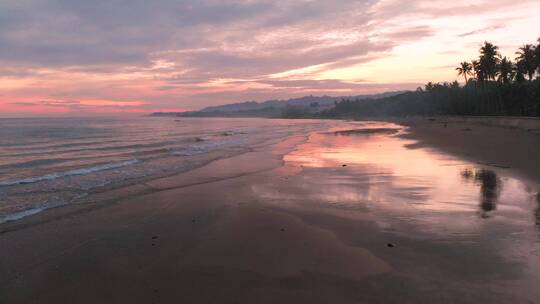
point(512, 148)
point(280, 224)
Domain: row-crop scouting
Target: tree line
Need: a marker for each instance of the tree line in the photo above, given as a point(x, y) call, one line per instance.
point(494, 85)
point(491, 66)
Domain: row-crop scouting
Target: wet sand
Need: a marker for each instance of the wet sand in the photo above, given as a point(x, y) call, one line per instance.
point(513, 148)
point(350, 218)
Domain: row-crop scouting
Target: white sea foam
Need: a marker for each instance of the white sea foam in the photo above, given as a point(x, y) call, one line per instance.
point(19, 215)
point(80, 171)
point(207, 147)
point(53, 146)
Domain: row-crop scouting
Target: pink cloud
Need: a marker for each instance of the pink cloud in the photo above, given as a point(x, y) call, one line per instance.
point(192, 54)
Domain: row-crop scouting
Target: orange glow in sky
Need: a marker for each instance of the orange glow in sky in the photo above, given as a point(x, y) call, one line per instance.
point(90, 57)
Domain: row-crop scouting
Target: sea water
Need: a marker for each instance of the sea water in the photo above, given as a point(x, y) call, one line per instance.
point(51, 162)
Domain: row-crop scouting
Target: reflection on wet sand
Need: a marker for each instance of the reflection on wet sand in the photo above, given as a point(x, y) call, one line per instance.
point(431, 190)
point(490, 187)
point(537, 211)
point(424, 201)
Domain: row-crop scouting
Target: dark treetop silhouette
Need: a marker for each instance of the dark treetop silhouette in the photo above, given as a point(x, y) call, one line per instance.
point(494, 85)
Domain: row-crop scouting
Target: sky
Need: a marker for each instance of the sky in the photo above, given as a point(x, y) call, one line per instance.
point(118, 56)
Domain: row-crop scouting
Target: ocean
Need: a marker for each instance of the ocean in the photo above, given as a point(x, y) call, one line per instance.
point(52, 162)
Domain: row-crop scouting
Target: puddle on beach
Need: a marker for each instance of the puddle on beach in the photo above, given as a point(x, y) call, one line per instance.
point(410, 191)
point(435, 191)
point(481, 219)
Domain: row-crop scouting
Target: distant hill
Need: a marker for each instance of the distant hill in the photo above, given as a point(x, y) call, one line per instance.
point(272, 108)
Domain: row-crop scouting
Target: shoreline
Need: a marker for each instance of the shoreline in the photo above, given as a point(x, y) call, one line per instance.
point(303, 220)
point(429, 132)
point(139, 188)
point(176, 148)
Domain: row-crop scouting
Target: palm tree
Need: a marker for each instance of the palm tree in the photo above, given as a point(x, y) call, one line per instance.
point(526, 57)
point(478, 71)
point(537, 55)
point(489, 58)
point(505, 70)
point(464, 69)
point(429, 86)
point(519, 72)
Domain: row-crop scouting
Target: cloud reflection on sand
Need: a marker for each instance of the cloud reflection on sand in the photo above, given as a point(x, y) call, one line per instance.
point(427, 189)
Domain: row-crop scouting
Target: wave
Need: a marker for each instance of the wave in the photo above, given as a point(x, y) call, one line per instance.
point(80, 171)
point(207, 147)
point(86, 147)
point(34, 163)
point(20, 215)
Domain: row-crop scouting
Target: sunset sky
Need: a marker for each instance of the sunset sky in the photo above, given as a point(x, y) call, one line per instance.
point(83, 57)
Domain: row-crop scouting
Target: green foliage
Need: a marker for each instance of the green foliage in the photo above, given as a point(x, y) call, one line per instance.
point(491, 66)
point(490, 98)
point(488, 61)
point(499, 87)
point(527, 59)
point(465, 69)
point(537, 56)
point(297, 111)
point(505, 71)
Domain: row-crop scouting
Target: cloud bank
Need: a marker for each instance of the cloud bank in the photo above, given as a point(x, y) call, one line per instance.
point(148, 55)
